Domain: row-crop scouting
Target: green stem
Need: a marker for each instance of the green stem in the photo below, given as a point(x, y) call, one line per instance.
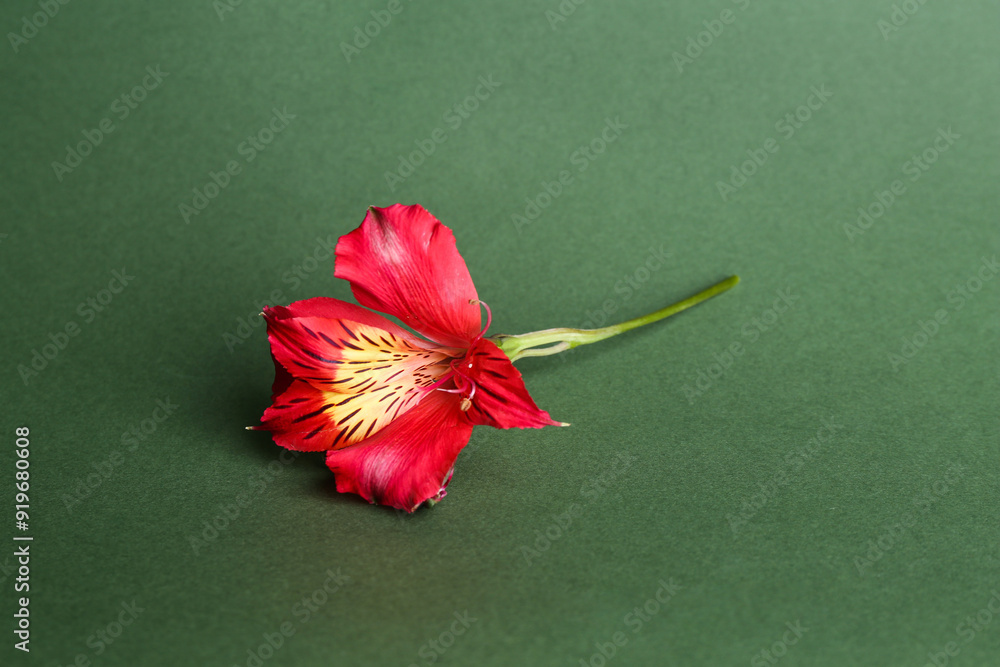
point(558, 340)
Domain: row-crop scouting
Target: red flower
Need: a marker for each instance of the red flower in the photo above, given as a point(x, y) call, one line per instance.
point(392, 410)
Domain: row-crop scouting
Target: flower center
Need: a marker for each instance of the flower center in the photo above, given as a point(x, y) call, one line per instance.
point(461, 368)
point(464, 385)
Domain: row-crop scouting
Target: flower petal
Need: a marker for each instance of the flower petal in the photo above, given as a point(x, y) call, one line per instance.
point(335, 309)
point(404, 262)
point(301, 418)
point(282, 379)
point(359, 377)
point(501, 399)
point(410, 460)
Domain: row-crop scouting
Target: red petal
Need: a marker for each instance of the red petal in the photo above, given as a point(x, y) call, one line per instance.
point(282, 379)
point(301, 418)
point(351, 379)
point(335, 309)
point(324, 351)
point(410, 460)
point(403, 262)
point(501, 399)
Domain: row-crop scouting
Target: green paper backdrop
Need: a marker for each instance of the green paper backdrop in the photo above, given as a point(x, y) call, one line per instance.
point(802, 471)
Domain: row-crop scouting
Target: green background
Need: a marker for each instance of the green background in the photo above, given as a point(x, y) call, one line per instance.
point(724, 496)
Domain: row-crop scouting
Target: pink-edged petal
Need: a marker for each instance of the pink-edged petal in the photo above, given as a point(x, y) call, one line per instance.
point(335, 309)
point(301, 418)
point(408, 462)
point(404, 262)
point(501, 400)
point(324, 351)
point(361, 376)
point(282, 379)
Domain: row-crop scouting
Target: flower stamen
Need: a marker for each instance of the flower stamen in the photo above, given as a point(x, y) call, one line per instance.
point(463, 384)
point(489, 319)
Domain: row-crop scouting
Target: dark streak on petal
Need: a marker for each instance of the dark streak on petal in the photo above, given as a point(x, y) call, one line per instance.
point(349, 332)
point(341, 422)
point(356, 427)
point(487, 391)
point(323, 359)
point(483, 410)
point(313, 414)
point(348, 399)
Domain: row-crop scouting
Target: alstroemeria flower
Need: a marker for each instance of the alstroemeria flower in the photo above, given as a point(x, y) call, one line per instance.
point(391, 409)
